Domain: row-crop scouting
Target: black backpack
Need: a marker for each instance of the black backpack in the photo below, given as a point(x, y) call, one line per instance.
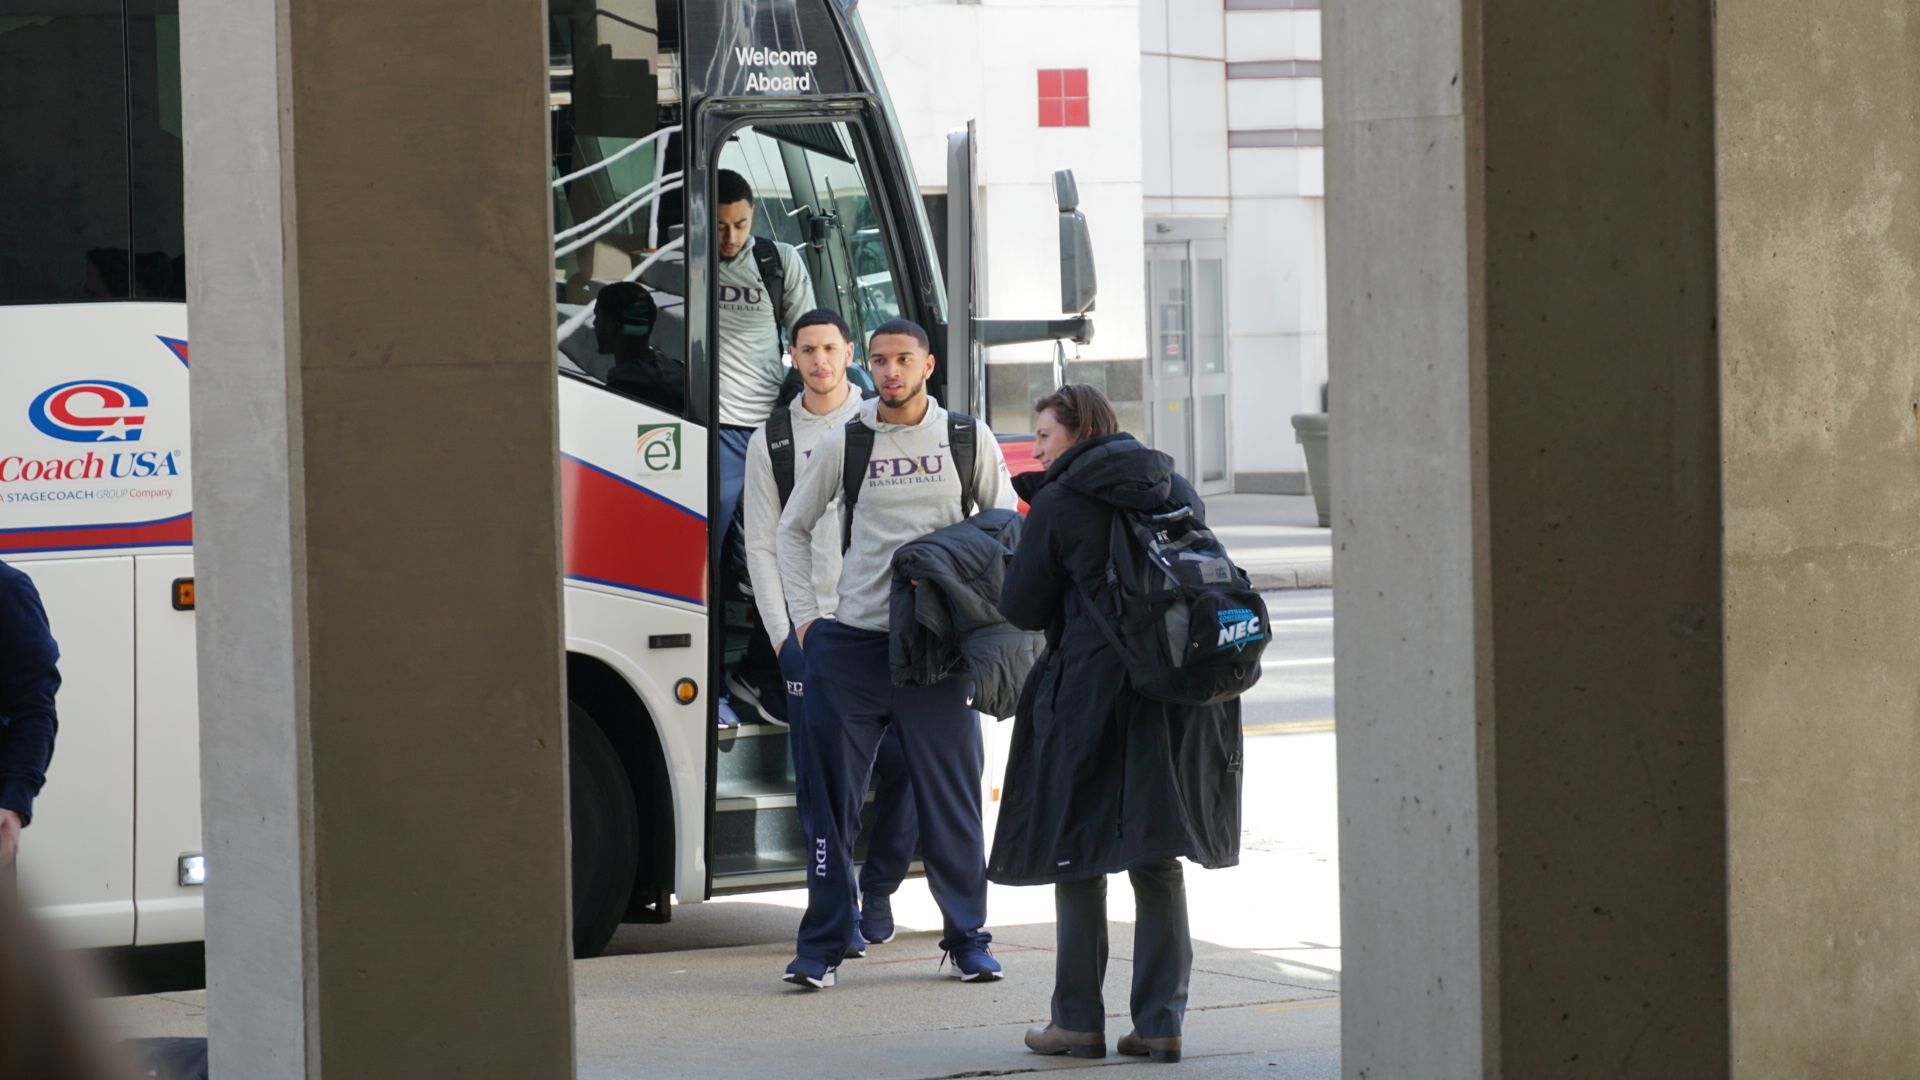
point(961, 434)
point(1191, 628)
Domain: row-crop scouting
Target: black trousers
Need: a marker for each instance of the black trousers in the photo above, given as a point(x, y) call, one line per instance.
point(1162, 951)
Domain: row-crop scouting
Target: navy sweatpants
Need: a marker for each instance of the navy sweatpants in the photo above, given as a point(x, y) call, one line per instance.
point(733, 473)
point(896, 823)
point(851, 704)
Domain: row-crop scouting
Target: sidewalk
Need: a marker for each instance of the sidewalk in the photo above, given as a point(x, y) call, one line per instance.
point(1275, 539)
point(699, 998)
point(718, 1013)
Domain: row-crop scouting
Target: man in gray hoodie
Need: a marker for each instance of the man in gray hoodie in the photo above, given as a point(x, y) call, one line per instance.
point(748, 322)
point(909, 485)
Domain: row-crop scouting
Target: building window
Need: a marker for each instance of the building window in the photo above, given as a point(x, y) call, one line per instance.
point(1063, 97)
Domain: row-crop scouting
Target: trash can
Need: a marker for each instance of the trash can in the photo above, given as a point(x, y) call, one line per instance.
point(1310, 431)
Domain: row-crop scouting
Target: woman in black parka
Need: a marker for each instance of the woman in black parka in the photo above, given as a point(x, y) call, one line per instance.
point(1099, 779)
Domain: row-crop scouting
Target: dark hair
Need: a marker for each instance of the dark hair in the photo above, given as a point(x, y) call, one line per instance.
point(629, 303)
point(821, 317)
point(902, 326)
point(1082, 409)
point(733, 188)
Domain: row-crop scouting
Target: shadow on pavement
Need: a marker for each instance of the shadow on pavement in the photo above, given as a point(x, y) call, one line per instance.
point(708, 926)
point(700, 997)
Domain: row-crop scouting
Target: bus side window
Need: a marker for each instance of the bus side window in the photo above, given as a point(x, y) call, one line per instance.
point(625, 317)
point(65, 230)
point(620, 276)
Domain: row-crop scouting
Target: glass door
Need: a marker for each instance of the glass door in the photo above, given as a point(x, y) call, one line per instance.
point(1187, 368)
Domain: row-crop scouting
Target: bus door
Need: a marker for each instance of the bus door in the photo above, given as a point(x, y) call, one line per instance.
point(822, 185)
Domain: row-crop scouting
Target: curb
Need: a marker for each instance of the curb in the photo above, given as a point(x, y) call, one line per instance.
point(1303, 576)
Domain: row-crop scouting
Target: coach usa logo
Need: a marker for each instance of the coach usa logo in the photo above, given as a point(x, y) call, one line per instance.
point(92, 410)
point(659, 447)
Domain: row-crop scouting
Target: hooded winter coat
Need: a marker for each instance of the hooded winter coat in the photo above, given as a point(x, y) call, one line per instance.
point(1100, 779)
point(945, 614)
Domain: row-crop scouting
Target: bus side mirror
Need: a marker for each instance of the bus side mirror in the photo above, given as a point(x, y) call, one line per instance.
point(1077, 285)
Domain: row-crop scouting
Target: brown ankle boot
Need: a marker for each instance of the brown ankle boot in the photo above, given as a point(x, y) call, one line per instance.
point(1165, 1050)
point(1057, 1040)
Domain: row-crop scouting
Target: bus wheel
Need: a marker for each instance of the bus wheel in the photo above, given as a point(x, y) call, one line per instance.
point(606, 834)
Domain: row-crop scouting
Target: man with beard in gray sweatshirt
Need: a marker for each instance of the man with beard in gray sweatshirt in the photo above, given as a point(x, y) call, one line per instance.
point(912, 484)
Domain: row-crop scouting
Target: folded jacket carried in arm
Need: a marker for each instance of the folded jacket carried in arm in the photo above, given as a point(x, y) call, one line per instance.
point(946, 617)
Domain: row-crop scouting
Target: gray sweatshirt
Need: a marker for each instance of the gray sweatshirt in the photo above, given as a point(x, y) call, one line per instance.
point(911, 489)
point(763, 518)
point(748, 342)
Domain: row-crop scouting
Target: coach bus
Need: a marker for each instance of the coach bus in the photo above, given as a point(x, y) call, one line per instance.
point(650, 99)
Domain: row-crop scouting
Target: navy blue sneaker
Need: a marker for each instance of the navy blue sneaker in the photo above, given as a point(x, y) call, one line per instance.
point(811, 974)
point(876, 919)
point(857, 949)
point(972, 963)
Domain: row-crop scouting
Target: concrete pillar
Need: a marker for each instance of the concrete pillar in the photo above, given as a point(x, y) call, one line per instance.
point(376, 538)
point(1819, 216)
point(1627, 429)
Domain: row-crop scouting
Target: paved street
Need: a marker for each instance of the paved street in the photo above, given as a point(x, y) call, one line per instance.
point(700, 999)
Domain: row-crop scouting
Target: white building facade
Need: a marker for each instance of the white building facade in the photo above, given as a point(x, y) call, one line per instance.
point(1194, 130)
point(1234, 235)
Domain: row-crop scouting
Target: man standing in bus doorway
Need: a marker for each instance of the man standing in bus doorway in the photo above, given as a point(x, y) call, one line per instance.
point(28, 682)
point(763, 287)
point(822, 351)
point(915, 468)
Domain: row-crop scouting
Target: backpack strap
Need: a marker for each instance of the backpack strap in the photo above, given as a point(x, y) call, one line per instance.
point(853, 476)
point(962, 435)
point(780, 449)
point(1106, 627)
point(773, 275)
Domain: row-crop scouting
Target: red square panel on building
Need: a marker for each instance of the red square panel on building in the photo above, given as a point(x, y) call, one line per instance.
point(1063, 97)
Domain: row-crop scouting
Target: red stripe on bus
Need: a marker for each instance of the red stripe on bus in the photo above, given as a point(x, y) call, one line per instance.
point(174, 530)
point(619, 533)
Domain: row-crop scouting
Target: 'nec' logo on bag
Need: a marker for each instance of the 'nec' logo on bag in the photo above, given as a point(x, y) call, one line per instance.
point(1238, 628)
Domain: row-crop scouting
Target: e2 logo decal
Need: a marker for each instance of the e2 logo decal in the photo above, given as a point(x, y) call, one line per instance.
point(659, 447)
